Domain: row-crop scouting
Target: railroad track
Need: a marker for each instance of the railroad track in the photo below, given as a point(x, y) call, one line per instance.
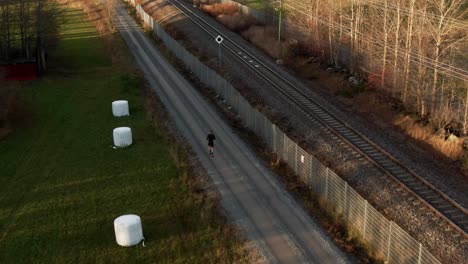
point(440, 203)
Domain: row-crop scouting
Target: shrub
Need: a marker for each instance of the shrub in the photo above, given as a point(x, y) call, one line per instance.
point(303, 49)
point(264, 38)
point(237, 21)
point(221, 8)
point(451, 147)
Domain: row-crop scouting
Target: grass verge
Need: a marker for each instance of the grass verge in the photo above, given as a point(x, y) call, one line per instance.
point(62, 184)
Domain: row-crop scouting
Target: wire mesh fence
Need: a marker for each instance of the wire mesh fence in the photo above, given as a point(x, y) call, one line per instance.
point(384, 237)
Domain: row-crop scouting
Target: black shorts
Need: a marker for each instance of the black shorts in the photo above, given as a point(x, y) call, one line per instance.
point(210, 144)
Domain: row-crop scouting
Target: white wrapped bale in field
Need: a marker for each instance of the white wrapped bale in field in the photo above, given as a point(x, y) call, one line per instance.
point(122, 136)
point(128, 231)
point(120, 108)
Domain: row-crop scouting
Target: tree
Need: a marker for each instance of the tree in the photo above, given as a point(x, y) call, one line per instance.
point(30, 28)
point(396, 47)
point(5, 29)
point(442, 33)
point(419, 47)
point(408, 47)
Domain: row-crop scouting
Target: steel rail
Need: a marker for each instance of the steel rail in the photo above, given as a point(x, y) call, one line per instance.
point(440, 203)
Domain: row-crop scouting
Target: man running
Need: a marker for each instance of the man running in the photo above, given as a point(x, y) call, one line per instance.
point(211, 137)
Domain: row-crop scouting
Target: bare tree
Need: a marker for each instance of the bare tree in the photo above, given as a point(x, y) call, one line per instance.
point(465, 112)
point(29, 26)
point(396, 47)
point(408, 47)
point(331, 35)
point(421, 82)
point(340, 35)
point(418, 46)
point(5, 29)
point(386, 31)
point(356, 34)
point(442, 32)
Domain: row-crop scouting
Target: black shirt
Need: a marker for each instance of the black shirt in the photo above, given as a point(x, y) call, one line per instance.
point(210, 138)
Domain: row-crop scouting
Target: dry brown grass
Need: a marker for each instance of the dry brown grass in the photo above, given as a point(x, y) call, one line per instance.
point(237, 21)
point(264, 38)
point(221, 8)
point(450, 147)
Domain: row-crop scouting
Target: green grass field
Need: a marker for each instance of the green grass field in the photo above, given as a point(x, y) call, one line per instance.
point(62, 184)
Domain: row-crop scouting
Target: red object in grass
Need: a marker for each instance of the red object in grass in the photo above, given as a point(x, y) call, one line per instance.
point(18, 72)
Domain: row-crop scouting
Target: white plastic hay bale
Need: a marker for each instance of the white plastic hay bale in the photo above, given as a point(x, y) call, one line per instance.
point(128, 231)
point(122, 136)
point(120, 108)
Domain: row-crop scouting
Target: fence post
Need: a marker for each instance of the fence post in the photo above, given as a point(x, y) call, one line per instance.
point(235, 101)
point(389, 242)
point(420, 253)
point(295, 159)
point(310, 173)
point(273, 137)
point(326, 183)
point(284, 145)
point(255, 120)
point(365, 219)
point(345, 194)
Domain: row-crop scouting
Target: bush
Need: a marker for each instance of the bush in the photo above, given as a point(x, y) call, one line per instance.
point(236, 22)
point(221, 8)
point(354, 89)
point(303, 49)
point(451, 147)
point(264, 38)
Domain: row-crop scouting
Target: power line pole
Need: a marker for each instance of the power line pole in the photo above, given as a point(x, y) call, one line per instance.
point(280, 48)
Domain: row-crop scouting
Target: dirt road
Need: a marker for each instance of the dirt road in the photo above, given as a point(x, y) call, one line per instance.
point(280, 228)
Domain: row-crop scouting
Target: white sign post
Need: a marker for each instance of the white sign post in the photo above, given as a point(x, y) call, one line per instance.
point(219, 39)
